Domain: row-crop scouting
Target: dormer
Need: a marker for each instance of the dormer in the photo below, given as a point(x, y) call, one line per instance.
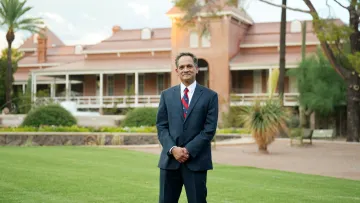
point(295, 26)
point(146, 33)
point(78, 49)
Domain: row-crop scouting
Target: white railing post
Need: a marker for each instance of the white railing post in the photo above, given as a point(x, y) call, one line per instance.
point(101, 90)
point(136, 88)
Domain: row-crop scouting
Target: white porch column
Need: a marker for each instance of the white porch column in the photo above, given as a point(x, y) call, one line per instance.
point(52, 90)
point(101, 89)
point(23, 88)
point(33, 92)
point(269, 79)
point(67, 87)
point(136, 88)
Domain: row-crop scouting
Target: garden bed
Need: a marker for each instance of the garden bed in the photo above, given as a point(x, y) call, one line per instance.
point(84, 138)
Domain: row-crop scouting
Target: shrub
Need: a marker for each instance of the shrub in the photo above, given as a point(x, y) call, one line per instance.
point(140, 117)
point(49, 115)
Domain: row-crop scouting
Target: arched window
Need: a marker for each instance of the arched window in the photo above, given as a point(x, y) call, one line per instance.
point(146, 33)
point(194, 39)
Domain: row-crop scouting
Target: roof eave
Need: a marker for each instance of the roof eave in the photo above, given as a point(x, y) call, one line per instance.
point(124, 51)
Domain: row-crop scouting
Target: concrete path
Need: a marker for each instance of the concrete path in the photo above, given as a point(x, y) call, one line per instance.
point(327, 158)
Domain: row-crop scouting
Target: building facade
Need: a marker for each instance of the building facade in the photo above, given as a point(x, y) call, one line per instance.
point(132, 67)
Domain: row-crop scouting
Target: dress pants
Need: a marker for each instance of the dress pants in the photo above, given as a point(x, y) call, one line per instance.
point(172, 181)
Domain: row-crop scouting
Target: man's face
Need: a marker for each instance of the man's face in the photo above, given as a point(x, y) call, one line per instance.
point(186, 69)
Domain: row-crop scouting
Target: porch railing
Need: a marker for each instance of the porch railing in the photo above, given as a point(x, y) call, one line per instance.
point(290, 99)
point(107, 101)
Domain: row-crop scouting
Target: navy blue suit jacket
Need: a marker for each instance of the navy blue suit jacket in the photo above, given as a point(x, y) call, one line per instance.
point(194, 133)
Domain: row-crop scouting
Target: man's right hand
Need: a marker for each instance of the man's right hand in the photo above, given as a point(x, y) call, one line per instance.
point(180, 154)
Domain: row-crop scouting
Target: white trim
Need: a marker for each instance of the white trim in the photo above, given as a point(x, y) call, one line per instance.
point(90, 72)
point(276, 44)
point(27, 49)
point(258, 67)
point(124, 51)
point(46, 82)
point(38, 64)
point(205, 14)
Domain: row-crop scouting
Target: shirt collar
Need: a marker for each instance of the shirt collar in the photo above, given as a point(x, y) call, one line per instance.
point(191, 87)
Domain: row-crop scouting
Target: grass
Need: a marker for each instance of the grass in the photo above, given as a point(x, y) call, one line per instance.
point(90, 174)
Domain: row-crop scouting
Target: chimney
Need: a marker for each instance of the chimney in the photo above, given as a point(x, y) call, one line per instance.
point(41, 48)
point(116, 29)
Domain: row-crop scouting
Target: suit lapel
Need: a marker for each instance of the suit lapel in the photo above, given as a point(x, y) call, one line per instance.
point(194, 100)
point(177, 102)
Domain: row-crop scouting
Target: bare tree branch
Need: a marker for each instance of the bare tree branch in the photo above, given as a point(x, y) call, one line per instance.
point(283, 6)
point(324, 45)
point(341, 4)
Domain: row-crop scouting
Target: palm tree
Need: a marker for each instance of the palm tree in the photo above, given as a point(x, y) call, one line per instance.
point(12, 18)
point(266, 119)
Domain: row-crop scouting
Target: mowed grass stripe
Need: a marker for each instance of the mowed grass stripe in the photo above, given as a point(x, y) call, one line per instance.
point(91, 174)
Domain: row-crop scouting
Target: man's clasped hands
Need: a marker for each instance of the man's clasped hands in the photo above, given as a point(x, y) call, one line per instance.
point(181, 154)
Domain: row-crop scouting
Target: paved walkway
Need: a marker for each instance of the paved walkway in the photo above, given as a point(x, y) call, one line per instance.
point(327, 158)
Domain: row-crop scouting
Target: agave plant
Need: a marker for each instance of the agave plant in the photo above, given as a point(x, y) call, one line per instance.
point(265, 119)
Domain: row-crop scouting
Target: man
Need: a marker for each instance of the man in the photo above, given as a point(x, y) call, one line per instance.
point(186, 123)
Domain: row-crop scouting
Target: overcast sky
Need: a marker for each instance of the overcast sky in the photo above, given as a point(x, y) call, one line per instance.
point(90, 21)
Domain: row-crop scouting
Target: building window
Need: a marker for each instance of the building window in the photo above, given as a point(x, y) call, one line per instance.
point(160, 83)
point(129, 84)
point(141, 84)
point(194, 39)
point(206, 39)
point(146, 33)
point(110, 85)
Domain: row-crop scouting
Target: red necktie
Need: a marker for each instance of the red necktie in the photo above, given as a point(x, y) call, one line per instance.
point(185, 101)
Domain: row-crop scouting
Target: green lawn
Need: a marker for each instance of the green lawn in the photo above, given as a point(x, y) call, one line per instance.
point(86, 174)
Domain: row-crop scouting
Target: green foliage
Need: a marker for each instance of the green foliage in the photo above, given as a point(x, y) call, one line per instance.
point(265, 121)
point(3, 66)
point(321, 88)
point(140, 117)
point(49, 115)
point(12, 14)
point(231, 118)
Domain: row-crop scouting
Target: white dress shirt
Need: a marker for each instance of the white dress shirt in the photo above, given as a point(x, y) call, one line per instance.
point(190, 93)
point(191, 89)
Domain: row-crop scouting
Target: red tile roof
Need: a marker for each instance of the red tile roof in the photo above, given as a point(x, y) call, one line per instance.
point(52, 40)
point(122, 64)
point(51, 59)
point(258, 59)
point(131, 40)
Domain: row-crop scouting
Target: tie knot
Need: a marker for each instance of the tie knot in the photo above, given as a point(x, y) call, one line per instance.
point(186, 90)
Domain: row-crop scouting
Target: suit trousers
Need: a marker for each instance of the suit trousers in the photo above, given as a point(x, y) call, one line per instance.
point(172, 181)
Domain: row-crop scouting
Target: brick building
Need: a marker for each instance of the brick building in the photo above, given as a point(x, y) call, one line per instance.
point(132, 67)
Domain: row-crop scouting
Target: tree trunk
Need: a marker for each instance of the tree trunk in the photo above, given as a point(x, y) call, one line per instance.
point(9, 80)
point(353, 110)
point(281, 81)
point(9, 75)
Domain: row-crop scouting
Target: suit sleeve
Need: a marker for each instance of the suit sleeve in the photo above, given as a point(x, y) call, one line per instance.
point(206, 135)
point(162, 125)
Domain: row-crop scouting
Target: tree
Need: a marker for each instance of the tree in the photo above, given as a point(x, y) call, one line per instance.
point(321, 88)
point(339, 42)
point(16, 56)
point(12, 17)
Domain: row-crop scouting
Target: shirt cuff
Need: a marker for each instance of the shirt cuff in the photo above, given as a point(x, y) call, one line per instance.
point(171, 149)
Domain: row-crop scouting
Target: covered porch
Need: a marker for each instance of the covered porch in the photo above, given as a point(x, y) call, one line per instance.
point(122, 83)
point(250, 77)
